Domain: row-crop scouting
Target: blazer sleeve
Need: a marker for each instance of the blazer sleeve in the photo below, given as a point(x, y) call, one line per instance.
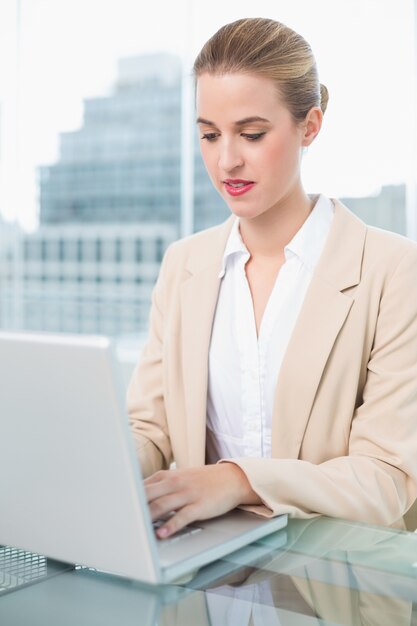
point(145, 395)
point(377, 479)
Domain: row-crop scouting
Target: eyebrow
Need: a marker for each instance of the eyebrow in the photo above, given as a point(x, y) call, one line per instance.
point(246, 120)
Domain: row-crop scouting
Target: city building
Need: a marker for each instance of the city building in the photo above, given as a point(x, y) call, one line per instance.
point(82, 278)
point(9, 245)
point(124, 163)
point(386, 210)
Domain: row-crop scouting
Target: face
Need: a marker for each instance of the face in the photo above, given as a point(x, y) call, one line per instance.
point(250, 144)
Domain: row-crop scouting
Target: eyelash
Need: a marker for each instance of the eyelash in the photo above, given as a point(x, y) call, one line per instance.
point(249, 136)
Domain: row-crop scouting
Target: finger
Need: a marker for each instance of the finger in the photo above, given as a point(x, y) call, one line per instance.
point(169, 482)
point(156, 477)
point(162, 506)
point(184, 516)
point(158, 490)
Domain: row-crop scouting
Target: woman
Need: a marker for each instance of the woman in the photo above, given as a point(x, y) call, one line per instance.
point(280, 372)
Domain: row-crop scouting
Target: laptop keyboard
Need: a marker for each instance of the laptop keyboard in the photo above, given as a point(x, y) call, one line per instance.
point(190, 529)
point(19, 567)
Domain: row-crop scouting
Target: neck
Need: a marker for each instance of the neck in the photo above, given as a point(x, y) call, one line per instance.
point(269, 233)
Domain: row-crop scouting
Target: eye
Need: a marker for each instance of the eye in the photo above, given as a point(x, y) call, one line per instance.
point(210, 136)
point(253, 136)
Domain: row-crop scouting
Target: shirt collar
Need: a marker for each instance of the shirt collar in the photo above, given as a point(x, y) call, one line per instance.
point(234, 245)
point(307, 243)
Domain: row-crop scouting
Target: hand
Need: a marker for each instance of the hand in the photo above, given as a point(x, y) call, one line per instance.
point(196, 493)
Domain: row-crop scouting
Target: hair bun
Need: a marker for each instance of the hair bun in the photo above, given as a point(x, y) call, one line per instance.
point(324, 97)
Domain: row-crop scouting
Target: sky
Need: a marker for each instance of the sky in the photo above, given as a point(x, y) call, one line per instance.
point(67, 50)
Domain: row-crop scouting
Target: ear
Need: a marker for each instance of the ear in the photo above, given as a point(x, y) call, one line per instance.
point(312, 125)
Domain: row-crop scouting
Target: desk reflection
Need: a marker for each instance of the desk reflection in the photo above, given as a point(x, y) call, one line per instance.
point(329, 572)
point(320, 572)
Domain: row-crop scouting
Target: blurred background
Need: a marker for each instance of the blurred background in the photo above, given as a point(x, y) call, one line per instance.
point(99, 160)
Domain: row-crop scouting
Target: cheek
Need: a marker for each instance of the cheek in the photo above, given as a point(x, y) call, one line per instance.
point(282, 154)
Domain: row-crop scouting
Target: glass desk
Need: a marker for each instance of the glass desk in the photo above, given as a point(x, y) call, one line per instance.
point(317, 572)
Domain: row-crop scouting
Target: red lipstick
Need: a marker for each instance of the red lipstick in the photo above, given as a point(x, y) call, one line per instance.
point(237, 186)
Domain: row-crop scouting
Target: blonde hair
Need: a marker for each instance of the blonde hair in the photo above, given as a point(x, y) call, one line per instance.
point(267, 48)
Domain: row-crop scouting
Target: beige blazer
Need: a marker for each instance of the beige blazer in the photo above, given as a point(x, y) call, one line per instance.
point(344, 425)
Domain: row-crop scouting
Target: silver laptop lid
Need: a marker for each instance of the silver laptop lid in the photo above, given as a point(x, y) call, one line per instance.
point(71, 488)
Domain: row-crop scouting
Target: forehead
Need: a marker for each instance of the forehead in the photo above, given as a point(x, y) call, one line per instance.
point(237, 96)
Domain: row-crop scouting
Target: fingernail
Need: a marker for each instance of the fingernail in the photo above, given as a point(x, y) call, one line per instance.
point(162, 532)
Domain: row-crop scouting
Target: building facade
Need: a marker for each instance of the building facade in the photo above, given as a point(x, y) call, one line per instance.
point(82, 278)
point(124, 163)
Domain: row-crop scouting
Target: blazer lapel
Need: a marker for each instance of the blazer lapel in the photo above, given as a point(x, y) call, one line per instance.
point(198, 304)
point(323, 314)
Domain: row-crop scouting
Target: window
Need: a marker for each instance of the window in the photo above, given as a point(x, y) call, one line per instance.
point(44, 250)
point(118, 251)
point(160, 248)
point(86, 163)
point(79, 250)
point(98, 250)
point(138, 251)
point(61, 248)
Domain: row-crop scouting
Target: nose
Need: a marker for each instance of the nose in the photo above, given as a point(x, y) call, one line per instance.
point(230, 156)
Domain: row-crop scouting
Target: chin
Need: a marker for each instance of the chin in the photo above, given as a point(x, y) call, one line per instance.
point(245, 212)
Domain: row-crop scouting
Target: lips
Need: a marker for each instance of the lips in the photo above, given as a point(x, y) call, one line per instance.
point(237, 186)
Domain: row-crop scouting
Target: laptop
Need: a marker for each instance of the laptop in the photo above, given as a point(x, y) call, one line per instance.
point(71, 486)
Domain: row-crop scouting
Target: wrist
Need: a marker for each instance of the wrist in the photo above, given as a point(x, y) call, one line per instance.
point(245, 493)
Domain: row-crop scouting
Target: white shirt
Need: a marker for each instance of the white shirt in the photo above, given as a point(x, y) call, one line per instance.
point(243, 605)
point(244, 368)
